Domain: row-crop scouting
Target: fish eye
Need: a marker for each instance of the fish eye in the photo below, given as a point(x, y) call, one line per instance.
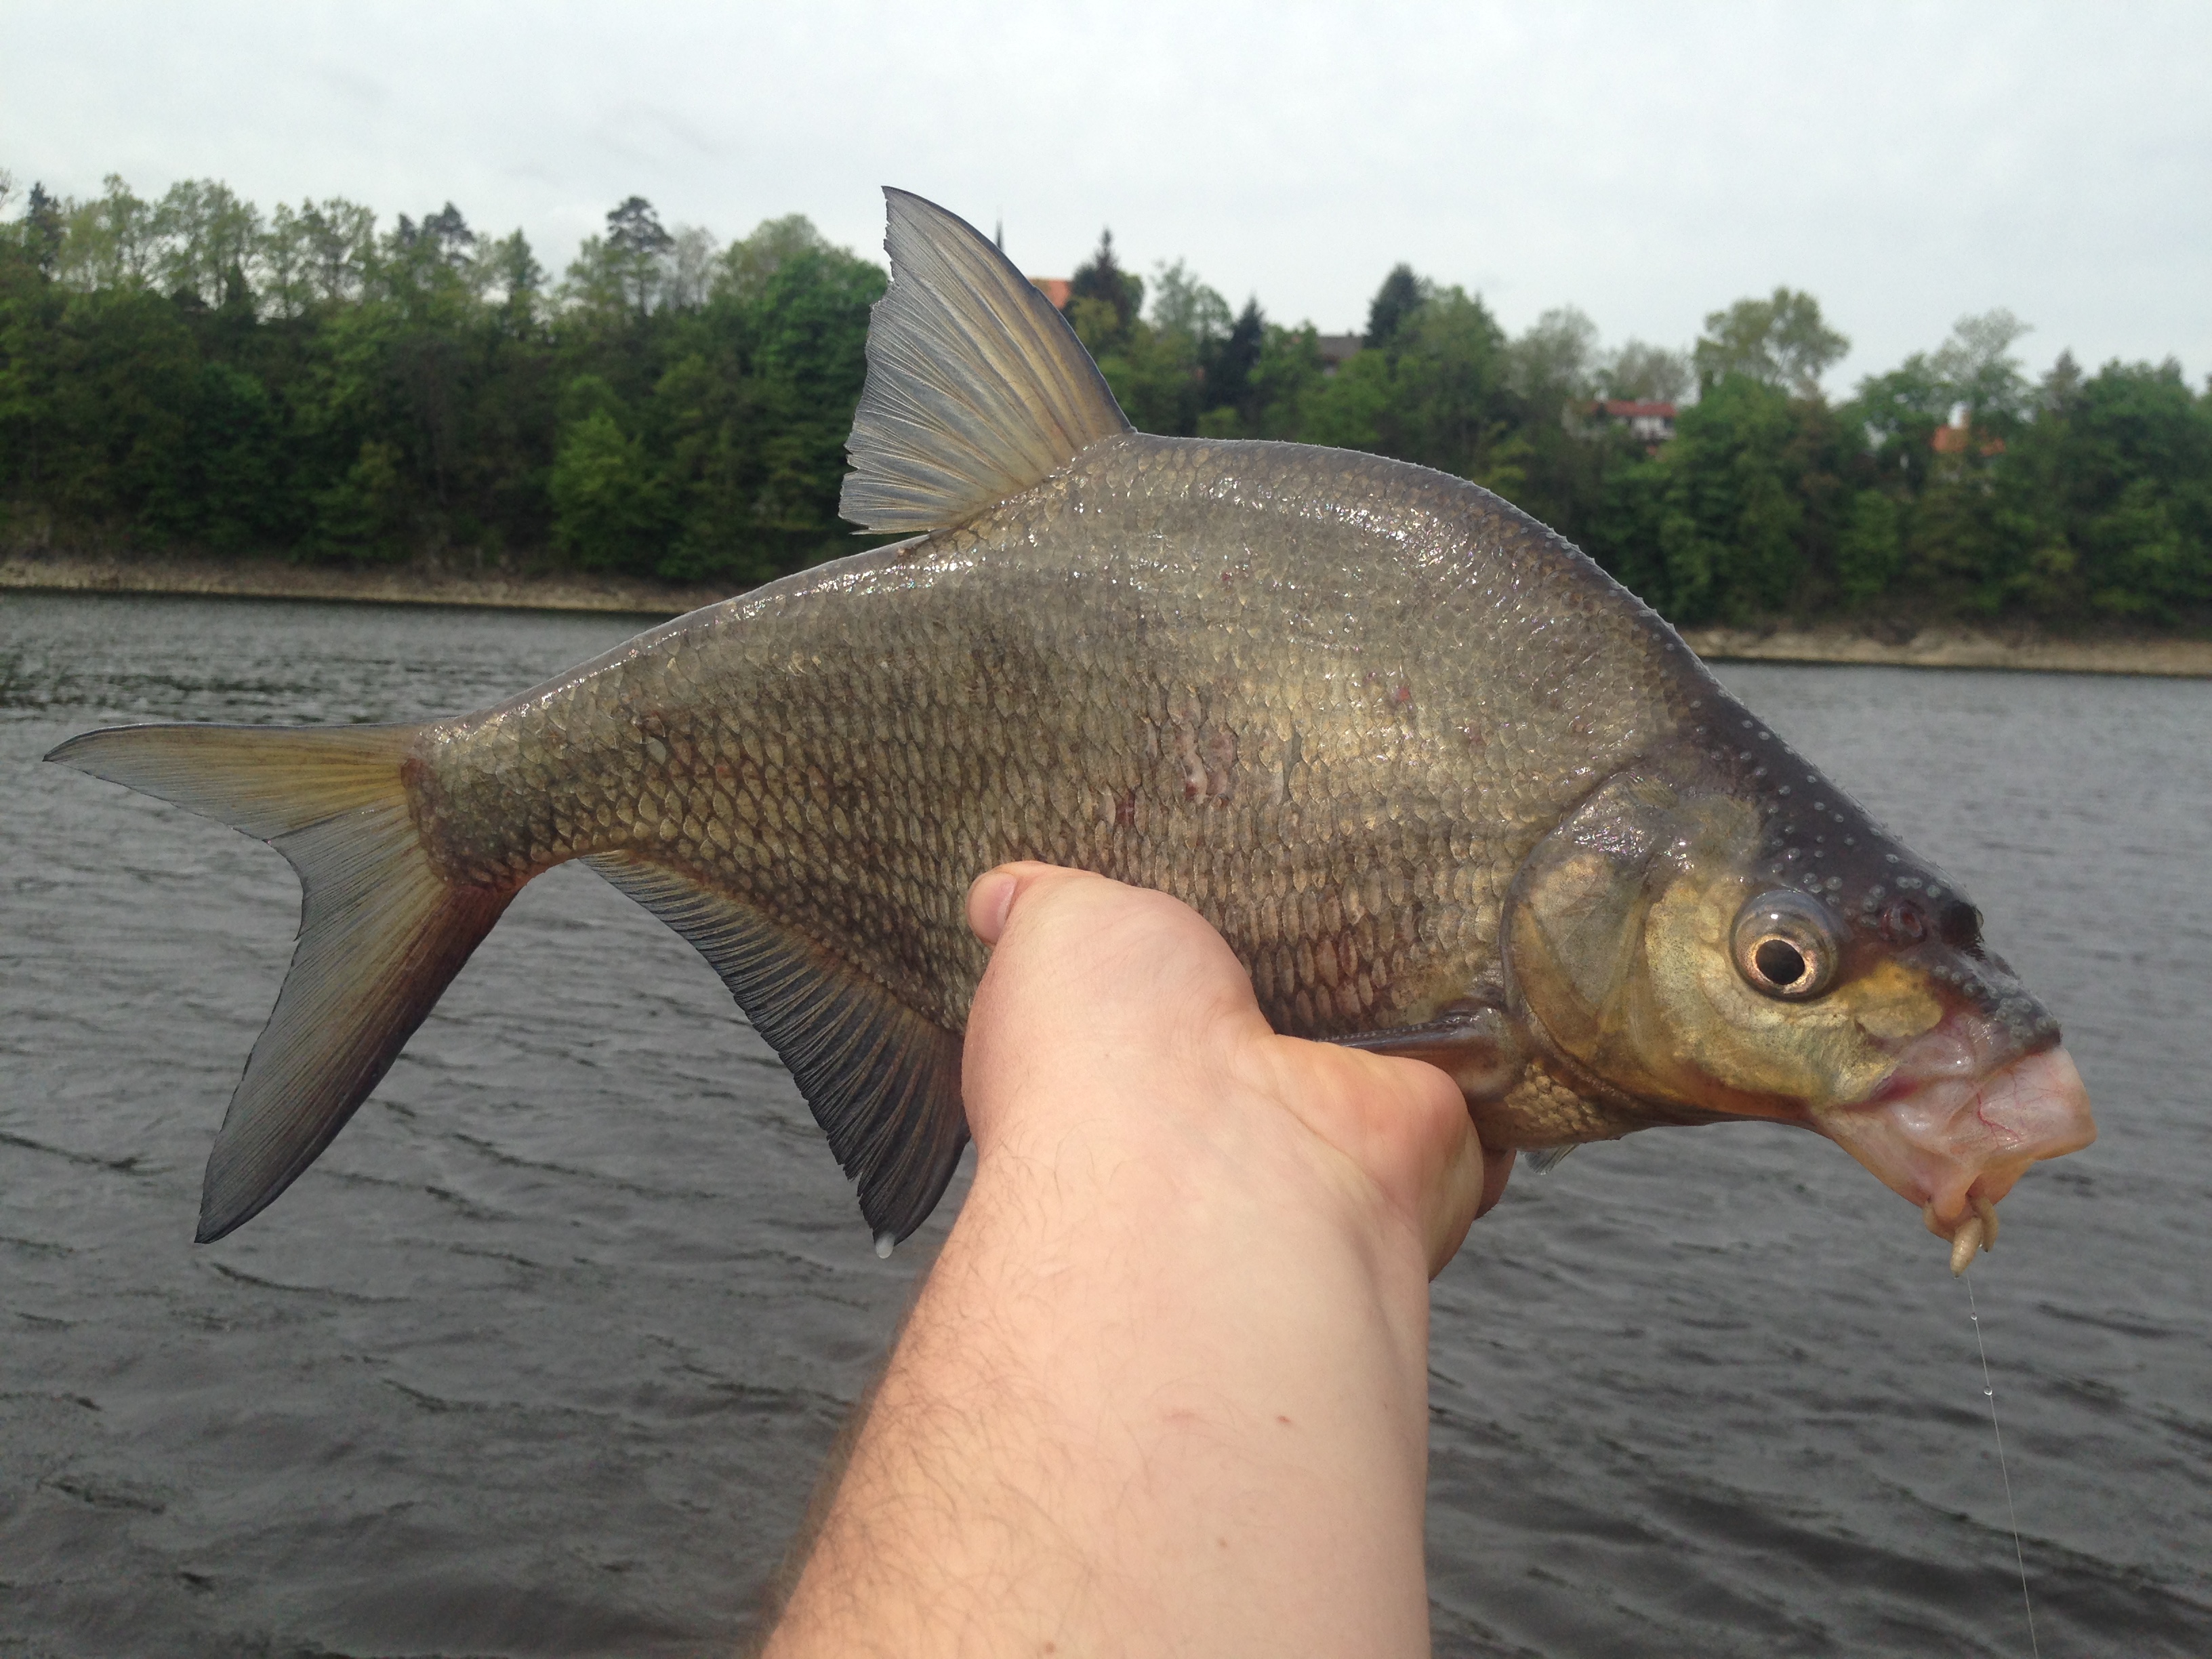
point(1786, 945)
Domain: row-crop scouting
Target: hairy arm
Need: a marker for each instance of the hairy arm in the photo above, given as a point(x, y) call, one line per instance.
point(1165, 1389)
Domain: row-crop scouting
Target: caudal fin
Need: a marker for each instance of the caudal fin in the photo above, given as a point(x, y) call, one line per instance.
point(381, 932)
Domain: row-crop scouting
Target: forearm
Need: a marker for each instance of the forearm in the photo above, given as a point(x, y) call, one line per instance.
point(1146, 1401)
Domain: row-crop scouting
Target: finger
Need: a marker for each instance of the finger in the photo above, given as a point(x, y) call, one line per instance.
point(989, 903)
point(991, 899)
point(1405, 1125)
point(1456, 1199)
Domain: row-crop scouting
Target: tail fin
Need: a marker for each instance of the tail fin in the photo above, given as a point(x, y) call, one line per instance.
point(381, 932)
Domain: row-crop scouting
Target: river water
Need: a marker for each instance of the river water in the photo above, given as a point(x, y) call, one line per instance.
point(542, 1356)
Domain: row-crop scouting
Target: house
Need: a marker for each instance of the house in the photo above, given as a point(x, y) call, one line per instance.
point(1338, 349)
point(1654, 423)
point(1054, 288)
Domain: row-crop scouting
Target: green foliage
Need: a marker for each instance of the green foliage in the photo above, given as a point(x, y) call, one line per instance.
point(2111, 494)
point(1714, 527)
point(609, 510)
point(1103, 299)
point(1643, 372)
point(1399, 296)
point(1870, 553)
point(189, 372)
point(1780, 341)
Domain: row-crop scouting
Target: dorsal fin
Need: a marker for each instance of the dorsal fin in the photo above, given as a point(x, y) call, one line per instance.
point(976, 386)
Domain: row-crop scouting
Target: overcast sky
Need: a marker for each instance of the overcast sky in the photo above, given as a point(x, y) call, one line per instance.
point(1647, 162)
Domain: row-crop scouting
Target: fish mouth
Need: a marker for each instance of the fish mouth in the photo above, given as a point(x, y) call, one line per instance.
point(1955, 1125)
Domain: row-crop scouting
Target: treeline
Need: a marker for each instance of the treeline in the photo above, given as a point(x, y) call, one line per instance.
point(192, 374)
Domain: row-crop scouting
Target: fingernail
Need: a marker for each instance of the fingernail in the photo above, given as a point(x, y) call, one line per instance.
point(989, 902)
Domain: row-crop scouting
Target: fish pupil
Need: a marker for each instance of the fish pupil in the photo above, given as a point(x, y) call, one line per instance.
point(1781, 963)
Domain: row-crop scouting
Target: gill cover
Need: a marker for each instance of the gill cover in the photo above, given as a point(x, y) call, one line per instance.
point(1645, 950)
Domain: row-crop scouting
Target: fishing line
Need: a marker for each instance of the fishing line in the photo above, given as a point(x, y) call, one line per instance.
point(1990, 1393)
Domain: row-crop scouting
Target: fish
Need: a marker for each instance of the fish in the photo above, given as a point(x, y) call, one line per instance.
point(1448, 790)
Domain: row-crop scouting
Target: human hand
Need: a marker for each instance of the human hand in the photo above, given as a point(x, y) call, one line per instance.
point(1101, 999)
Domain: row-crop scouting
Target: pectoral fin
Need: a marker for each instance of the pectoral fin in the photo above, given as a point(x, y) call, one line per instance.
point(1472, 1041)
point(882, 1082)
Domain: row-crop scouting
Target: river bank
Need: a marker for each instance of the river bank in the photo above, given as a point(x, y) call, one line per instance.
point(275, 579)
point(1935, 646)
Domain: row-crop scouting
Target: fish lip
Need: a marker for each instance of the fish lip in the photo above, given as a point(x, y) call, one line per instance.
point(1963, 1114)
point(1962, 1046)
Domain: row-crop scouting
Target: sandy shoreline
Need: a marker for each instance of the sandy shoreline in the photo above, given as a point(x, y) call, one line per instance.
point(1932, 647)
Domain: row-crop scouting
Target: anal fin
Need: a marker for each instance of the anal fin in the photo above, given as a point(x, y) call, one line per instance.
point(882, 1081)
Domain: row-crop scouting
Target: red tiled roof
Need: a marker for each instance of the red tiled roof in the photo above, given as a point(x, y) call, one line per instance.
point(1954, 440)
point(1622, 409)
point(1054, 288)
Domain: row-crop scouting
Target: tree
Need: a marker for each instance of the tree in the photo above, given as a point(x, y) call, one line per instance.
point(1451, 398)
point(1229, 370)
point(1899, 412)
point(44, 227)
point(747, 265)
point(338, 239)
point(1870, 553)
point(1285, 380)
point(1710, 529)
point(1103, 299)
point(1780, 341)
point(203, 233)
point(1976, 365)
point(185, 374)
point(1552, 366)
point(286, 266)
point(638, 245)
point(1643, 372)
point(110, 241)
point(609, 508)
point(513, 274)
point(755, 405)
point(1401, 295)
point(692, 260)
point(1184, 305)
point(2112, 495)
point(1437, 394)
point(1157, 368)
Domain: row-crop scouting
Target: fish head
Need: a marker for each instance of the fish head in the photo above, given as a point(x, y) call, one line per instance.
point(1695, 944)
